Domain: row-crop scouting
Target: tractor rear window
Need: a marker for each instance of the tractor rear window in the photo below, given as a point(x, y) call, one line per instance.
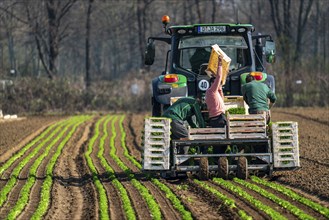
point(195, 51)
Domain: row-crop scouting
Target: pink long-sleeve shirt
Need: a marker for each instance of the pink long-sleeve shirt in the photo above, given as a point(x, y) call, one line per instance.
point(215, 97)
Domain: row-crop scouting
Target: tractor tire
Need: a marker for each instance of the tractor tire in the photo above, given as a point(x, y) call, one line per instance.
point(242, 172)
point(156, 108)
point(270, 170)
point(223, 168)
point(204, 168)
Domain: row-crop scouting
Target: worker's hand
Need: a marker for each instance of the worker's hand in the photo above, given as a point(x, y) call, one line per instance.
point(219, 61)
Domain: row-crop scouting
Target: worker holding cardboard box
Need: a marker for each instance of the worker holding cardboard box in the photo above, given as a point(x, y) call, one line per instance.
point(215, 99)
point(211, 70)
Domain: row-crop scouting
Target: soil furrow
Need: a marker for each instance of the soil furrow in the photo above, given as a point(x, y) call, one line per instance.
point(301, 206)
point(267, 202)
point(11, 198)
point(15, 134)
point(139, 204)
point(313, 145)
point(40, 175)
point(24, 175)
point(67, 196)
point(241, 203)
point(169, 212)
point(200, 205)
point(326, 122)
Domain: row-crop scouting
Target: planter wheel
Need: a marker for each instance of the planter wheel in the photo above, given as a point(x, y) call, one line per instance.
point(223, 168)
point(204, 168)
point(242, 172)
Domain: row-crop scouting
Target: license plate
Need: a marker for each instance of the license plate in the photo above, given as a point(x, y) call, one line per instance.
point(211, 29)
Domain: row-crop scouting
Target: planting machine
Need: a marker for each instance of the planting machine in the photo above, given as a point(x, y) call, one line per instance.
point(247, 144)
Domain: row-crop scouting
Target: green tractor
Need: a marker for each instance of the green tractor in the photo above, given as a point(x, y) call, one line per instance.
point(246, 144)
point(188, 55)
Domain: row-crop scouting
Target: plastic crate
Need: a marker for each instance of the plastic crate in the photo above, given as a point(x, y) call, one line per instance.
point(246, 126)
point(285, 144)
point(206, 133)
point(156, 141)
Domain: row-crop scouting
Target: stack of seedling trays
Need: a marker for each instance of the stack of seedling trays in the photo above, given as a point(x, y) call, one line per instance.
point(285, 144)
point(156, 143)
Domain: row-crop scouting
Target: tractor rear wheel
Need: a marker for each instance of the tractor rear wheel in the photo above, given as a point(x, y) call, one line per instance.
point(156, 108)
point(242, 172)
point(204, 168)
point(223, 168)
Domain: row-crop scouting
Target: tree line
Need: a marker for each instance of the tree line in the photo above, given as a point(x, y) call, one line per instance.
point(92, 40)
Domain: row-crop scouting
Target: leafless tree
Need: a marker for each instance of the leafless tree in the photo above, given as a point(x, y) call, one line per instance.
point(290, 38)
point(87, 79)
point(47, 30)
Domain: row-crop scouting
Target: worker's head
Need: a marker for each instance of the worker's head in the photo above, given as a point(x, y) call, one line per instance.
point(250, 78)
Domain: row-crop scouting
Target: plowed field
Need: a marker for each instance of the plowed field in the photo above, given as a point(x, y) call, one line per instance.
point(89, 167)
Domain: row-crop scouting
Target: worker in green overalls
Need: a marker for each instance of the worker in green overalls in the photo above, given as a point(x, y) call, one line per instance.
point(183, 110)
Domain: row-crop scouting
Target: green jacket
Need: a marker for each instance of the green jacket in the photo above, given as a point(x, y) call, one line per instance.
point(183, 109)
point(256, 95)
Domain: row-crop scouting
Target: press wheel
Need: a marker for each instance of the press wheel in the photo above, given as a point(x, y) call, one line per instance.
point(242, 172)
point(204, 168)
point(223, 167)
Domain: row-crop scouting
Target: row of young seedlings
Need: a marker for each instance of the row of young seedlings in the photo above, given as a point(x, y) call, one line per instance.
point(48, 182)
point(153, 206)
point(169, 194)
point(103, 202)
point(127, 206)
point(16, 171)
point(283, 203)
point(293, 195)
point(46, 187)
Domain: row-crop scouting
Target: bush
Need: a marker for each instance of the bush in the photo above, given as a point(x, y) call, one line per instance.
point(63, 95)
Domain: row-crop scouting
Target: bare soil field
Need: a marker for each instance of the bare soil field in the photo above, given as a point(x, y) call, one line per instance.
point(89, 167)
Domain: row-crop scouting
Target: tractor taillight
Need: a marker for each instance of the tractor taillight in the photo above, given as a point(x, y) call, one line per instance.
point(171, 78)
point(257, 75)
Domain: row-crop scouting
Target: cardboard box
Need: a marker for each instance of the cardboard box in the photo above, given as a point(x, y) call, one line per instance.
point(213, 63)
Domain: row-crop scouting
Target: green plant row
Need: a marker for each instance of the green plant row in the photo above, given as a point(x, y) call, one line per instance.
point(169, 194)
point(103, 202)
point(258, 204)
point(127, 206)
point(186, 215)
point(25, 191)
point(227, 201)
point(123, 144)
point(15, 173)
point(285, 204)
point(12, 159)
point(48, 182)
point(150, 201)
point(288, 192)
